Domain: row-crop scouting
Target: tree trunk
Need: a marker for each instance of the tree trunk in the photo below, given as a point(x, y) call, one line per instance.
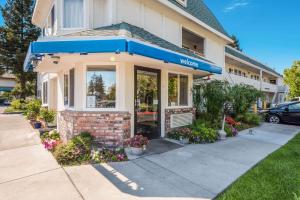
point(23, 87)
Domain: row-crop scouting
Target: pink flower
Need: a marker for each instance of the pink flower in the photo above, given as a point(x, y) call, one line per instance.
point(50, 144)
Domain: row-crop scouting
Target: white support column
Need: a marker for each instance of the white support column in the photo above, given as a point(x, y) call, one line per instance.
point(261, 79)
point(164, 98)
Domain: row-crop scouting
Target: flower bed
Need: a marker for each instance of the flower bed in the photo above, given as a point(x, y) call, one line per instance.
point(80, 150)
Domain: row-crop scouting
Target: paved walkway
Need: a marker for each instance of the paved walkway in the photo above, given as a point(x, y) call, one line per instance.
point(28, 171)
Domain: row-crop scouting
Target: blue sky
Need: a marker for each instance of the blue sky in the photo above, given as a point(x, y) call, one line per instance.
point(268, 30)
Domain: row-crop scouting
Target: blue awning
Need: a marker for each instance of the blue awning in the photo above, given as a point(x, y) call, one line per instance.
point(40, 48)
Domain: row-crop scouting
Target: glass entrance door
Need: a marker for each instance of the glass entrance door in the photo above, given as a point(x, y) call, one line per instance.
point(147, 102)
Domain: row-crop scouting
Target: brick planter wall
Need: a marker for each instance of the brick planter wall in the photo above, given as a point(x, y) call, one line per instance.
point(171, 111)
point(108, 128)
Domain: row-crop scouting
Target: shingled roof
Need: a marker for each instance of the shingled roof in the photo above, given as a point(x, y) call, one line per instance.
point(244, 57)
point(131, 31)
point(198, 9)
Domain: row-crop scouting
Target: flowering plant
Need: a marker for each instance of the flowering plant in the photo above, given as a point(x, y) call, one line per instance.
point(138, 141)
point(108, 155)
point(231, 121)
point(50, 144)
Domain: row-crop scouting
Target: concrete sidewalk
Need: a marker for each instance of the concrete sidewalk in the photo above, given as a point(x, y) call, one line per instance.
point(28, 171)
point(191, 172)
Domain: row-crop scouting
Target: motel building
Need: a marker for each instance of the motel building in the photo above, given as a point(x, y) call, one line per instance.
point(116, 68)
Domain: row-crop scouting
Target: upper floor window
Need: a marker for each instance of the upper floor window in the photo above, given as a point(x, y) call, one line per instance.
point(182, 2)
point(73, 14)
point(193, 42)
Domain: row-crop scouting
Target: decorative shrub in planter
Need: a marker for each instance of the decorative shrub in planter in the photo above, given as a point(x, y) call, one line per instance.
point(75, 151)
point(37, 124)
point(51, 140)
point(137, 144)
point(203, 134)
point(48, 116)
point(108, 155)
point(182, 134)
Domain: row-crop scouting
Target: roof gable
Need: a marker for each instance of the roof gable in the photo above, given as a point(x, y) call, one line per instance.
point(198, 9)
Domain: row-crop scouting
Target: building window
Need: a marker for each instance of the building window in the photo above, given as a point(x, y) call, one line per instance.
point(235, 71)
point(178, 90)
point(73, 14)
point(66, 89)
point(182, 2)
point(193, 42)
point(230, 70)
point(45, 92)
point(101, 87)
point(72, 88)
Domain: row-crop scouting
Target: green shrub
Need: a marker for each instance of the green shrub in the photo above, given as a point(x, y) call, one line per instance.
point(180, 133)
point(228, 130)
point(18, 104)
point(202, 134)
point(243, 96)
point(33, 109)
point(54, 135)
point(76, 151)
point(250, 118)
point(47, 115)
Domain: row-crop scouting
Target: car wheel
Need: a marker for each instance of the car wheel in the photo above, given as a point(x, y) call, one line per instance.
point(274, 119)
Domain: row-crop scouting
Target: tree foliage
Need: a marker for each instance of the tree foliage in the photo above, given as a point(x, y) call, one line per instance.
point(236, 43)
point(242, 97)
point(292, 79)
point(216, 97)
point(15, 37)
point(210, 97)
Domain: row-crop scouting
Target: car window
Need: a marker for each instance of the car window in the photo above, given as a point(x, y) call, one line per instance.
point(294, 106)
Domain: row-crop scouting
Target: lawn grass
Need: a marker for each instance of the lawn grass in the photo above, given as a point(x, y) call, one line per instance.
point(276, 177)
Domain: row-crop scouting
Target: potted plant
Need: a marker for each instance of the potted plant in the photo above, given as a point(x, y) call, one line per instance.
point(185, 135)
point(48, 116)
point(137, 144)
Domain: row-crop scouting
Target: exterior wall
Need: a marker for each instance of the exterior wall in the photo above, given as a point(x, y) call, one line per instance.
point(108, 128)
point(153, 16)
point(172, 111)
point(166, 23)
point(4, 82)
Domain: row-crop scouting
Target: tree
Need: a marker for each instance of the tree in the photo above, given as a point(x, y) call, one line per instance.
point(242, 97)
point(292, 79)
point(15, 37)
point(236, 43)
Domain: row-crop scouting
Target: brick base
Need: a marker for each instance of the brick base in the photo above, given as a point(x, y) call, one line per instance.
point(171, 111)
point(108, 128)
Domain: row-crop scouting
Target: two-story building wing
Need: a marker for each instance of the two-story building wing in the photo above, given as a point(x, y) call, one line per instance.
point(242, 69)
point(117, 68)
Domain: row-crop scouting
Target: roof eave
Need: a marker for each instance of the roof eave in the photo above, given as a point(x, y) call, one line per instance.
point(41, 10)
point(191, 17)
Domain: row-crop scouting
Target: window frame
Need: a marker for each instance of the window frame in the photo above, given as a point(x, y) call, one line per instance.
point(178, 90)
point(62, 17)
point(69, 90)
point(84, 99)
point(45, 95)
point(289, 106)
point(68, 95)
point(182, 2)
point(194, 33)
